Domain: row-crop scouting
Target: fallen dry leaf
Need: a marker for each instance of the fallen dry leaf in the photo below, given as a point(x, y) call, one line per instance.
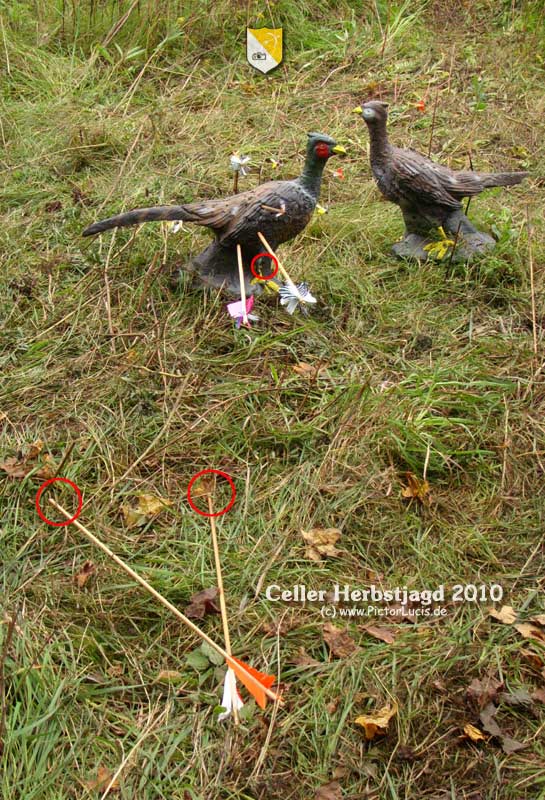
point(530, 631)
point(308, 370)
point(474, 733)
point(102, 780)
point(340, 644)
point(203, 603)
point(539, 620)
point(330, 791)
point(533, 659)
point(381, 632)
point(321, 542)
point(204, 486)
point(150, 504)
point(81, 578)
point(377, 723)
point(490, 725)
point(278, 627)
point(406, 753)
point(539, 695)
point(507, 614)
point(520, 698)
point(48, 468)
point(169, 676)
point(340, 771)
point(147, 506)
point(332, 707)
point(482, 692)
point(302, 659)
point(20, 467)
point(34, 450)
point(14, 468)
point(416, 488)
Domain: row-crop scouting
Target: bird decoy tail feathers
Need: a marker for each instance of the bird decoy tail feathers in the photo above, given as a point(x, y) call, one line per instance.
point(502, 178)
point(136, 217)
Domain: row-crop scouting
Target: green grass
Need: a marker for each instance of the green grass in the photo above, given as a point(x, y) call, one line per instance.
point(428, 369)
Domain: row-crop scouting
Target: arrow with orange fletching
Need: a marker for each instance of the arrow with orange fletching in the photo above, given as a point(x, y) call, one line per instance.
point(258, 683)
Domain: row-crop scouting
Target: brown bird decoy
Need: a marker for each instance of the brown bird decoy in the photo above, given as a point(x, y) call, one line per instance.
point(428, 194)
point(278, 209)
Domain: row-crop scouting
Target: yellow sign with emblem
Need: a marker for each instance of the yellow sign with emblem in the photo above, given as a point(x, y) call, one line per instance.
point(264, 48)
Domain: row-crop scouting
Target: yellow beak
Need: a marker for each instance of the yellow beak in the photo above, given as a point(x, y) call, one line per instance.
point(357, 110)
point(338, 150)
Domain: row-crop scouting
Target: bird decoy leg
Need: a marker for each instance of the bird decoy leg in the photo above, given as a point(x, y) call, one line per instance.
point(421, 231)
point(418, 233)
point(469, 240)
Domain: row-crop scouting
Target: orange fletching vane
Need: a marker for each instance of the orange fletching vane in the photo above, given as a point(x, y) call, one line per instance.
point(252, 679)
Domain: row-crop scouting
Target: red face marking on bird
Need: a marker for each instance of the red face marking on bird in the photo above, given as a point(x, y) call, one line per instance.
point(322, 150)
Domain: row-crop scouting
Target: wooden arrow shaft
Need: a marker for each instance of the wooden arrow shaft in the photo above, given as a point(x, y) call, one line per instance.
point(242, 286)
point(219, 575)
point(221, 592)
point(159, 597)
point(280, 266)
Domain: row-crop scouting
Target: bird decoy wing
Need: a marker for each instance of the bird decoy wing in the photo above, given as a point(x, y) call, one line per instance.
point(214, 214)
point(418, 179)
point(463, 184)
point(234, 215)
point(255, 210)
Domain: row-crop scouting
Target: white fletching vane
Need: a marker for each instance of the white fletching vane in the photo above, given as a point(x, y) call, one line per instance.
point(231, 699)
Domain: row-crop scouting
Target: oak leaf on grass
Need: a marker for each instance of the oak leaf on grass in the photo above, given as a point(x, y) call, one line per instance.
point(321, 543)
point(490, 725)
point(19, 467)
point(473, 733)
point(147, 506)
point(330, 791)
point(483, 691)
point(340, 644)
point(81, 577)
point(309, 371)
point(539, 695)
point(416, 489)
point(506, 614)
point(376, 724)
point(102, 780)
point(530, 631)
point(302, 659)
point(381, 632)
point(203, 603)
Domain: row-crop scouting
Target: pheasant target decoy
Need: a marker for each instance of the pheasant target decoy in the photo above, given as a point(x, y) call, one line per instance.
point(278, 209)
point(428, 194)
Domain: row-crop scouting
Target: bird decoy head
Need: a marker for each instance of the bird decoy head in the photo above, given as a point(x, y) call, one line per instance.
point(373, 111)
point(320, 146)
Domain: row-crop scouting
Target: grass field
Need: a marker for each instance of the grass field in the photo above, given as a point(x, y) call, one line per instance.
point(130, 388)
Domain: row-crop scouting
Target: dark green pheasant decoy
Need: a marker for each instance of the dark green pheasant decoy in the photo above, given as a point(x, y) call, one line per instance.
point(277, 209)
point(428, 194)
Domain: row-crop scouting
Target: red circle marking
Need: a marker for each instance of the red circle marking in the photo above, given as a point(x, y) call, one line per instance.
point(41, 513)
point(257, 274)
point(229, 505)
